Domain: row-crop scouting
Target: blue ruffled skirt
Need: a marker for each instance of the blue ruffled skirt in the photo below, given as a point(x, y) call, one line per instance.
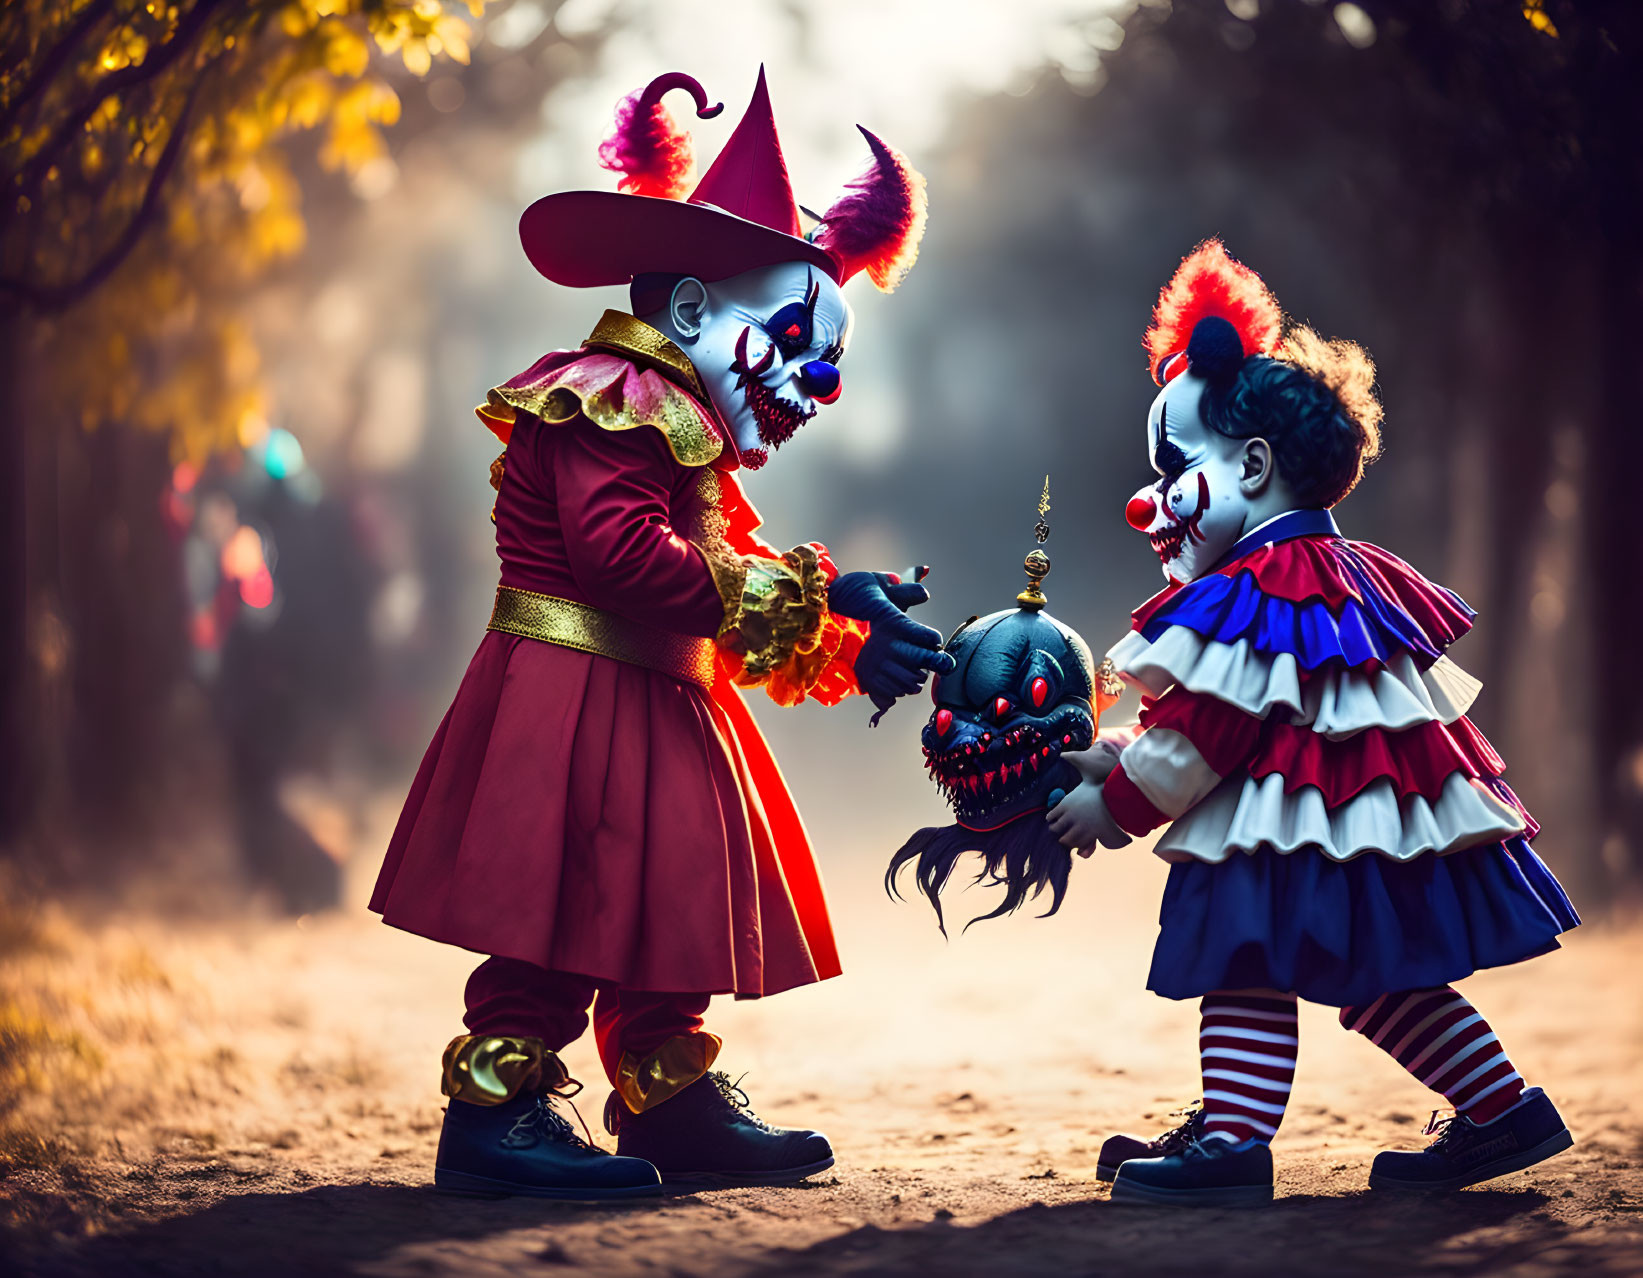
point(1344, 933)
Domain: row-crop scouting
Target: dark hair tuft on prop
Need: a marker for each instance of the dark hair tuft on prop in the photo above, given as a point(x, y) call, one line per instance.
point(1022, 857)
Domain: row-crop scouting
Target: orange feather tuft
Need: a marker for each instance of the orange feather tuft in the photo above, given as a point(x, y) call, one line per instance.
point(648, 148)
point(1210, 282)
point(876, 225)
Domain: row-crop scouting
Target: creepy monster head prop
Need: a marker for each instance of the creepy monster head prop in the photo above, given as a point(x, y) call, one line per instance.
point(724, 267)
point(1020, 696)
point(1023, 692)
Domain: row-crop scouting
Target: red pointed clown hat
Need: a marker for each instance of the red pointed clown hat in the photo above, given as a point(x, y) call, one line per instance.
point(740, 216)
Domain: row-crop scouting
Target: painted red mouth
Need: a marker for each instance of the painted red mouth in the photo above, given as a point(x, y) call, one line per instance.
point(778, 419)
point(1169, 541)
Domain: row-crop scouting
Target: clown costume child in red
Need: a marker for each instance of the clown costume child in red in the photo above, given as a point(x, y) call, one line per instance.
point(598, 813)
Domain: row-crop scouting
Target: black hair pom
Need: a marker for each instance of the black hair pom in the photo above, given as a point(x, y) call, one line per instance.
point(1214, 351)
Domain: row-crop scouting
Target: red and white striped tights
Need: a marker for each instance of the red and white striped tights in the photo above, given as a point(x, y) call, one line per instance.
point(1442, 1040)
point(1247, 1043)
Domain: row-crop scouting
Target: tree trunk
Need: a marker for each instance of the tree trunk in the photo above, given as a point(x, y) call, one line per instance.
point(15, 756)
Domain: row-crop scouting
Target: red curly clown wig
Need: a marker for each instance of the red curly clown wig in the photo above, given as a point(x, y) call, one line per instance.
point(1313, 400)
point(1209, 282)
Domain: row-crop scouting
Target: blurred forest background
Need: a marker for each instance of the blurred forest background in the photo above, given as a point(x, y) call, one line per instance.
point(258, 261)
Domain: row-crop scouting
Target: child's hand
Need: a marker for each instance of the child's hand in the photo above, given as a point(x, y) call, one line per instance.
point(1095, 765)
point(1081, 820)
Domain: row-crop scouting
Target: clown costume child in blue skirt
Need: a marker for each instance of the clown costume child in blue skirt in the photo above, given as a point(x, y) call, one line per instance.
point(1337, 827)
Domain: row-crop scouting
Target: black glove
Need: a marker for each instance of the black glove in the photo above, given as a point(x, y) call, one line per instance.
point(899, 651)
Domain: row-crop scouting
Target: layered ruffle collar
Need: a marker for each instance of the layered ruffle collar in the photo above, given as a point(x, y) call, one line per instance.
point(1295, 586)
point(626, 375)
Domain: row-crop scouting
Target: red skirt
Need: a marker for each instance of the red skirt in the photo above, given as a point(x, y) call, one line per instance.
point(592, 816)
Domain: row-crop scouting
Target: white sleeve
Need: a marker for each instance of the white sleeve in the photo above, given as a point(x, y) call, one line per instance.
point(1168, 770)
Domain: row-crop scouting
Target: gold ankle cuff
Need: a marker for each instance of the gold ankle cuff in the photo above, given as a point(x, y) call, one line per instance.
point(645, 1082)
point(489, 1069)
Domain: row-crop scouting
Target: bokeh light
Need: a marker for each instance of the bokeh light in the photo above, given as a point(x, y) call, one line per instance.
point(243, 555)
point(257, 589)
point(282, 454)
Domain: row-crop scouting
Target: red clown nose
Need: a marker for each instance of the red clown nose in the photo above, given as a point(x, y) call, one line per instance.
point(1139, 513)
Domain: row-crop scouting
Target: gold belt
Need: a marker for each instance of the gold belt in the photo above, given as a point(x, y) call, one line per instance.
point(588, 629)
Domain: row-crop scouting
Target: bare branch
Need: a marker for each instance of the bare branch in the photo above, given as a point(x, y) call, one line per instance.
point(53, 61)
point(59, 297)
point(115, 82)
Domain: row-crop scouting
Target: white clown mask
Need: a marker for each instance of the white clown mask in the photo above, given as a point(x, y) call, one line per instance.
point(766, 344)
point(1196, 512)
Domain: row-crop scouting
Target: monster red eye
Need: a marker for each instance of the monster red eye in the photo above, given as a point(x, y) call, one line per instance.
point(944, 722)
point(1001, 707)
point(793, 330)
point(1040, 690)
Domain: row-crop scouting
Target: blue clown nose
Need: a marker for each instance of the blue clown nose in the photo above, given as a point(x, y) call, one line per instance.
point(820, 379)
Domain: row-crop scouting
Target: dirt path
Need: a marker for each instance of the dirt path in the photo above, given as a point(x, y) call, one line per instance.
point(260, 1098)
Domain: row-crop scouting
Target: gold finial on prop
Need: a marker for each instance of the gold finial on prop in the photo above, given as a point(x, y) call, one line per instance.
point(1037, 563)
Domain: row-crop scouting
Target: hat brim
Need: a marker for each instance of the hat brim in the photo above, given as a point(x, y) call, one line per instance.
point(586, 239)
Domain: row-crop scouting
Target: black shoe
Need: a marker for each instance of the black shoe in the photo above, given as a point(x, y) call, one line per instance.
point(1119, 1149)
point(1206, 1173)
point(1466, 1152)
point(708, 1134)
point(524, 1146)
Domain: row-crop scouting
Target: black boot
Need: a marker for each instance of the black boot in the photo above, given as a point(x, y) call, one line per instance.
point(1465, 1152)
point(524, 1146)
point(708, 1134)
point(1205, 1173)
point(1117, 1150)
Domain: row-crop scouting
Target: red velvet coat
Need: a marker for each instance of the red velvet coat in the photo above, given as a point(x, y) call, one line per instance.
point(589, 815)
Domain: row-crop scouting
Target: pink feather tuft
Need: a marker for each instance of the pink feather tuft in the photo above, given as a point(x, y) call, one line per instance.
point(876, 225)
point(649, 149)
point(1209, 282)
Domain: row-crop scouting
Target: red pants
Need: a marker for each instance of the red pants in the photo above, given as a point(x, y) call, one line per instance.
point(507, 996)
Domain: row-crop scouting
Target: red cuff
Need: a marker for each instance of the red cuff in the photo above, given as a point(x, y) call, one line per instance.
point(825, 560)
point(1132, 810)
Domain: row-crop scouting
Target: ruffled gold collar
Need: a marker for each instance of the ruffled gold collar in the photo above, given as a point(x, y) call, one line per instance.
point(625, 375)
point(622, 334)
